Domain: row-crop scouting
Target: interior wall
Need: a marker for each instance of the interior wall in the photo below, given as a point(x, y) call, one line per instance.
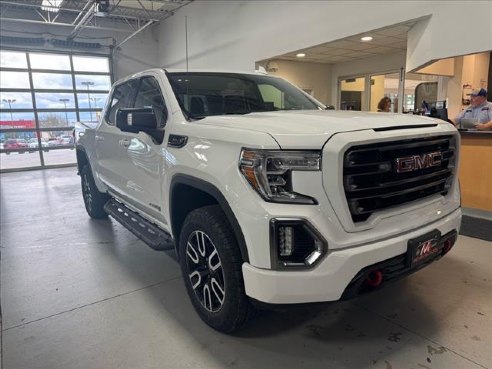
point(448, 32)
point(235, 34)
point(307, 76)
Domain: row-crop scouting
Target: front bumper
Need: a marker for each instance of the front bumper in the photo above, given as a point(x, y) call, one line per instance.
point(328, 280)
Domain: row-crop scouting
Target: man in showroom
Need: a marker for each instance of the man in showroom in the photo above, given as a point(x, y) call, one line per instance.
point(479, 110)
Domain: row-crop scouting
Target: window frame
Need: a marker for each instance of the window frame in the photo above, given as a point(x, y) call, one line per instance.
point(37, 130)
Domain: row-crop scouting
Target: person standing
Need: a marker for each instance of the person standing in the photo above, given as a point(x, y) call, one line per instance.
point(480, 109)
point(384, 105)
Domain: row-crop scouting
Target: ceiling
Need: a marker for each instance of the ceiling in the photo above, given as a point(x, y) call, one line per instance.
point(386, 40)
point(125, 15)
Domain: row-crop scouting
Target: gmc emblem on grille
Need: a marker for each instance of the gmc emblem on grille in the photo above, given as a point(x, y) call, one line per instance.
point(416, 162)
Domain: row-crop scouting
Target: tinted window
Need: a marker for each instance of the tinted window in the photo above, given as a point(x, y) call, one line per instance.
point(120, 99)
point(203, 94)
point(149, 96)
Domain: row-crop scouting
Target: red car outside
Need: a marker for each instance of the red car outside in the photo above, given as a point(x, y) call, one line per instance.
point(15, 144)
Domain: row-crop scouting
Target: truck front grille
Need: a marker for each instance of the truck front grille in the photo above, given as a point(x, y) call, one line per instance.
point(383, 175)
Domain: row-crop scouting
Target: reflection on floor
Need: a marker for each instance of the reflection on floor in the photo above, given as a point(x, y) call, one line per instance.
point(78, 293)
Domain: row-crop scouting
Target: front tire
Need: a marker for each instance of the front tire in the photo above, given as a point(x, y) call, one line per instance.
point(93, 199)
point(211, 264)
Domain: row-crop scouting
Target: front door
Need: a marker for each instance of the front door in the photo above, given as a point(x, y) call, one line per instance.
point(111, 156)
point(144, 156)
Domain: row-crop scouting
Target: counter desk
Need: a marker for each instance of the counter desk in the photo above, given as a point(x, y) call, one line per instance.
point(476, 170)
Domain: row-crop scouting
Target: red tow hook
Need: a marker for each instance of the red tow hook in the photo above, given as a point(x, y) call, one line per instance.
point(447, 245)
point(375, 278)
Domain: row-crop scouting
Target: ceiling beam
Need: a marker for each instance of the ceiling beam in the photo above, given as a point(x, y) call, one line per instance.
point(85, 19)
point(134, 33)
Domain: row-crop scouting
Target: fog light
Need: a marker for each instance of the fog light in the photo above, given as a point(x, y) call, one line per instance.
point(285, 240)
point(295, 244)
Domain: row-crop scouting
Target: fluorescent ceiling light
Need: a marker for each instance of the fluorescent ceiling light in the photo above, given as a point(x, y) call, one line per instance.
point(366, 38)
point(301, 55)
point(51, 5)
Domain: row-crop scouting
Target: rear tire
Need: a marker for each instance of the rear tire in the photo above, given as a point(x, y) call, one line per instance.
point(94, 200)
point(211, 265)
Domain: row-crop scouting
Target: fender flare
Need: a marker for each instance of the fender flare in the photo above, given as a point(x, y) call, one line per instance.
point(214, 192)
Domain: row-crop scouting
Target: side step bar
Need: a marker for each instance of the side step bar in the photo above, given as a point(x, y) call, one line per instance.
point(140, 227)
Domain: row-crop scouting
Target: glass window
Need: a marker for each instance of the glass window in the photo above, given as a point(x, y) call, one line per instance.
point(121, 99)
point(61, 150)
point(90, 116)
point(149, 95)
point(56, 108)
point(273, 95)
point(57, 119)
point(54, 100)
point(203, 94)
point(16, 150)
point(52, 81)
point(15, 100)
point(17, 120)
point(49, 61)
point(352, 93)
point(14, 80)
point(12, 59)
point(91, 82)
point(90, 64)
point(385, 86)
point(91, 101)
point(419, 88)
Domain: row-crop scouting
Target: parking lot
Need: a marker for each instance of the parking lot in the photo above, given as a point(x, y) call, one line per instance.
point(32, 159)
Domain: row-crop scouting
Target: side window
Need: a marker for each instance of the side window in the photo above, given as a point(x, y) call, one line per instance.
point(120, 99)
point(149, 95)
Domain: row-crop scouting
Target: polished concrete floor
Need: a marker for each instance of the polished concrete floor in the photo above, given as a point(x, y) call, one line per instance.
point(79, 293)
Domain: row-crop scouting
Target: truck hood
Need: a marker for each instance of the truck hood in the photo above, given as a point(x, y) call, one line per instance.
point(310, 129)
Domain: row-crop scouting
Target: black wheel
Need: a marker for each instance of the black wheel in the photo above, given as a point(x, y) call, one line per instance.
point(211, 264)
point(93, 199)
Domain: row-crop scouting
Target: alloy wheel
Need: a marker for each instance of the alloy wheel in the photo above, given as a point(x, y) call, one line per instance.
point(205, 271)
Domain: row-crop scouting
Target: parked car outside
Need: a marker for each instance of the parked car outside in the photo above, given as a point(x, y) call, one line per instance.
point(15, 144)
point(33, 144)
point(65, 140)
point(53, 142)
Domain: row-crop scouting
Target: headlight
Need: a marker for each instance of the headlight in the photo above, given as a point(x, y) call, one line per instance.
point(270, 173)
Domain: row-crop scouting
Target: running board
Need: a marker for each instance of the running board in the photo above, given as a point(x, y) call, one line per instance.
point(140, 227)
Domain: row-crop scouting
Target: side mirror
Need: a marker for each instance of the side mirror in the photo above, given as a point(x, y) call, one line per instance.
point(139, 120)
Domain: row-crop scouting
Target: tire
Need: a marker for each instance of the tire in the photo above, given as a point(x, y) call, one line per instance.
point(93, 199)
point(211, 265)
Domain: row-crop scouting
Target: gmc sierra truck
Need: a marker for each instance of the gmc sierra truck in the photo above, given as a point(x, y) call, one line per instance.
point(266, 196)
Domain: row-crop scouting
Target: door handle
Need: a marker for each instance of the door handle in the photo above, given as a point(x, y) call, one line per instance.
point(125, 142)
point(99, 138)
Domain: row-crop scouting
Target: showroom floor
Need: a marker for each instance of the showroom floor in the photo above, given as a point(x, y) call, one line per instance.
point(79, 293)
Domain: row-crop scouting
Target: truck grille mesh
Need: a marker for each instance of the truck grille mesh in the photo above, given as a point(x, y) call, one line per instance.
point(372, 182)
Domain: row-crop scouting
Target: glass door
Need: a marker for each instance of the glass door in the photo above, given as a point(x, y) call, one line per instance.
point(353, 93)
point(384, 87)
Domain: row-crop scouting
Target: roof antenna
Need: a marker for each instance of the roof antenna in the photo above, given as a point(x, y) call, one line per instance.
point(186, 37)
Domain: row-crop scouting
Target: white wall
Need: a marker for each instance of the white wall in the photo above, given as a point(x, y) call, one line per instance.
point(139, 53)
point(235, 34)
point(314, 76)
point(455, 28)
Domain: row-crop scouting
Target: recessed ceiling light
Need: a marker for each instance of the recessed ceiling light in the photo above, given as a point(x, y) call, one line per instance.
point(301, 55)
point(366, 38)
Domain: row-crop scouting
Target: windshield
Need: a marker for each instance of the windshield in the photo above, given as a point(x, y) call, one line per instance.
point(204, 94)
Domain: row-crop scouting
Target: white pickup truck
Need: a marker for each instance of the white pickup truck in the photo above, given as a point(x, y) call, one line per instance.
point(265, 195)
